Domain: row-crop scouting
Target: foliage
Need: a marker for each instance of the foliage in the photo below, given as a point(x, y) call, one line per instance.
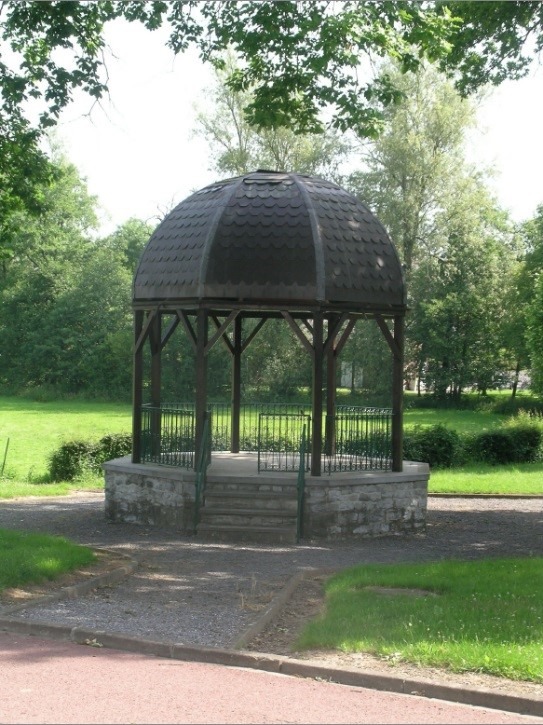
point(479, 616)
point(237, 147)
point(300, 57)
point(72, 458)
point(534, 335)
point(518, 443)
point(65, 319)
point(33, 558)
point(437, 445)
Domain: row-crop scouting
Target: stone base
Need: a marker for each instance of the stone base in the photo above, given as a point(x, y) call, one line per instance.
point(359, 504)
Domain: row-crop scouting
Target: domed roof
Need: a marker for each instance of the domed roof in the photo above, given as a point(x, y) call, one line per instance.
point(271, 238)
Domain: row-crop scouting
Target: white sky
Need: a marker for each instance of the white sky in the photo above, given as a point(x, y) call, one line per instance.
point(139, 156)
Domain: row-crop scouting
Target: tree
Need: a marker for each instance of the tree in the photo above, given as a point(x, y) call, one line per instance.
point(298, 57)
point(455, 244)
point(535, 335)
point(411, 169)
point(128, 240)
point(458, 312)
point(238, 148)
point(531, 291)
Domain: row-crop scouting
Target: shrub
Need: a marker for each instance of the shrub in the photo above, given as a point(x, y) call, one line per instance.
point(71, 459)
point(491, 446)
point(113, 445)
point(516, 442)
point(75, 457)
point(437, 445)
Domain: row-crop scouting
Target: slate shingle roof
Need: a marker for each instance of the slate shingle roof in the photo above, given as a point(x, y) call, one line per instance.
point(272, 237)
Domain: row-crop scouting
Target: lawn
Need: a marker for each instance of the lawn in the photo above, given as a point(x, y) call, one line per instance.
point(520, 479)
point(36, 429)
point(479, 616)
point(33, 558)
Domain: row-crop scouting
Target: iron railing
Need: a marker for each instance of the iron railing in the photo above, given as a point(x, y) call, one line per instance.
point(279, 436)
point(362, 440)
point(357, 438)
point(167, 435)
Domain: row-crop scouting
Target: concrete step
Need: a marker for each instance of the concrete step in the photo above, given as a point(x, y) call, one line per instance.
point(260, 484)
point(253, 534)
point(270, 518)
point(255, 500)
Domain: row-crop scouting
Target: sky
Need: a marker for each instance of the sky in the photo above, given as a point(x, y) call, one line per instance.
point(140, 157)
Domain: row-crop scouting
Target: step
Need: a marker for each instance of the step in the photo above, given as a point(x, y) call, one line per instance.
point(245, 517)
point(257, 500)
point(253, 534)
point(263, 485)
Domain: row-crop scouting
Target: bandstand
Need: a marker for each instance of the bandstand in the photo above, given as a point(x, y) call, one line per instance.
point(237, 253)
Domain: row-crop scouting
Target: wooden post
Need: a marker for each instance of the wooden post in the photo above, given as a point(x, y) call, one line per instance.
point(137, 386)
point(156, 385)
point(236, 386)
point(318, 355)
point(201, 379)
point(397, 395)
point(331, 369)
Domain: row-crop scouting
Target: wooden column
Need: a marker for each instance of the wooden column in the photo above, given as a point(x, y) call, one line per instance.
point(137, 388)
point(156, 385)
point(236, 386)
point(318, 378)
point(331, 369)
point(201, 378)
point(397, 395)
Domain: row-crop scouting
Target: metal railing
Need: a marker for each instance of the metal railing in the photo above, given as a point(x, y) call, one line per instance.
point(300, 485)
point(279, 436)
point(363, 440)
point(361, 437)
point(167, 435)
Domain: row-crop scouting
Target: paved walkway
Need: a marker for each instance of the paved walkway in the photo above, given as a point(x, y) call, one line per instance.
point(50, 682)
point(199, 594)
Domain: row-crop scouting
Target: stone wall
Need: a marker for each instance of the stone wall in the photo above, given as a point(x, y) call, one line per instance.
point(368, 505)
point(341, 506)
point(147, 494)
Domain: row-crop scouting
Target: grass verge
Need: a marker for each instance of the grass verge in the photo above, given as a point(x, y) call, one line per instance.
point(480, 616)
point(33, 558)
point(515, 479)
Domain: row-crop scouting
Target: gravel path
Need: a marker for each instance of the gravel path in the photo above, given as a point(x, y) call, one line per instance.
point(192, 592)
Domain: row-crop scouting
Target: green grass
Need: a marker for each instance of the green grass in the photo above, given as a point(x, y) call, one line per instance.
point(33, 558)
point(482, 616)
point(463, 421)
point(520, 479)
point(36, 429)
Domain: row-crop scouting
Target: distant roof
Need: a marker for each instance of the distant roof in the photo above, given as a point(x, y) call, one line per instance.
point(275, 239)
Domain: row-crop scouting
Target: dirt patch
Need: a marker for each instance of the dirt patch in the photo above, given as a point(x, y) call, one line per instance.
point(307, 602)
point(106, 561)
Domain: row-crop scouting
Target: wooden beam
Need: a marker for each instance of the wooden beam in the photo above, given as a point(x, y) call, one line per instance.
point(222, 329)
point(145, 330)
point(224, 338)
point(137, 389)
point(388, 336)
point(397, 396)
point(169, 331)
point(333, 330)
point(345, 336)
point(299, 334)
point(183, 318)
point(253, 333)
point(318, 379)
